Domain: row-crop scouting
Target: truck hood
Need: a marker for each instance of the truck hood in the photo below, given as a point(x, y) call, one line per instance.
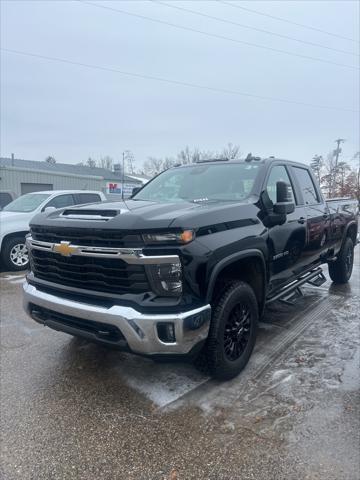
point(15, 216)
point(143, 215)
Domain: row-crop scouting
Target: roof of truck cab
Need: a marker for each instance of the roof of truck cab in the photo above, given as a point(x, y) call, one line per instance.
point(61, 192)
point(261, 161)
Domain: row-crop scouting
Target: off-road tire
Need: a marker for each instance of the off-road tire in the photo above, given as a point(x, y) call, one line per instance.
point(234, 296)
point(7, 249)
point(340, 271)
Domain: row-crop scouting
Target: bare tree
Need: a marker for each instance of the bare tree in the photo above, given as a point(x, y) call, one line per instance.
point(106, 162)
point(153, 166)
point(50, 160)
point(130, 163)
point(338, 178)
point(341, 173)
point(187, 156)
point(357, 175)
point(350, 186)
point(230, 152)
point(91, 162)
point(208, 155)
point(327, 179)
point(168, 162)
point(317, 165)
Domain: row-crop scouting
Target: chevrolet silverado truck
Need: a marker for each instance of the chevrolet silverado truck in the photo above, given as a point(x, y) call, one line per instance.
point(186, 266)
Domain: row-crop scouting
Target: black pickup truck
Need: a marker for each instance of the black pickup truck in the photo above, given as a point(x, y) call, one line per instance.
point(186, 267)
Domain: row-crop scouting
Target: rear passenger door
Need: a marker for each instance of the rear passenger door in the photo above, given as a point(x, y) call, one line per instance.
point(317, 214)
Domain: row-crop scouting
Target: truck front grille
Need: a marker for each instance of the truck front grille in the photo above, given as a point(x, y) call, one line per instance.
point(111, 275)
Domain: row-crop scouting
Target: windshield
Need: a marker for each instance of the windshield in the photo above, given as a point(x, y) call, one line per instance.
point(26, 203)
point(202, 183)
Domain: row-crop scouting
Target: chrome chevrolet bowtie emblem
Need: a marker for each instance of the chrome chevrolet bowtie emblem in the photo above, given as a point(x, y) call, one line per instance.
point(64, 248)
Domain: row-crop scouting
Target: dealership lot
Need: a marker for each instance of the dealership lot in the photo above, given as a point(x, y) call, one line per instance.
point(75, 410)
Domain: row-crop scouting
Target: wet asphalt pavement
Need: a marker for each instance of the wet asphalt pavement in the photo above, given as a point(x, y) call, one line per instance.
point(75, 410)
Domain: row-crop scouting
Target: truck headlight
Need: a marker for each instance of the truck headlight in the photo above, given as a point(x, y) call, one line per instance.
point(183, 237)
point(165, 279)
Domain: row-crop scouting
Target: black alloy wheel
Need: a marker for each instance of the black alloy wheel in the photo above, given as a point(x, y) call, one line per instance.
point(237, 331)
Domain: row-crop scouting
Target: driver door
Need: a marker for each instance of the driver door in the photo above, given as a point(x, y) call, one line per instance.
point(286, 242)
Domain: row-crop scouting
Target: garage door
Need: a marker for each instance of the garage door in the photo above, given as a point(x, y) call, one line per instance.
point(35, 187)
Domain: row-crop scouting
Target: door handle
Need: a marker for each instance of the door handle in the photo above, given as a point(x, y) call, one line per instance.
point(325, 216)
point(302, 220)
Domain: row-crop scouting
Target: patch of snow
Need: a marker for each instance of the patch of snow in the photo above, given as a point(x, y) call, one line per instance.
point(159, 382)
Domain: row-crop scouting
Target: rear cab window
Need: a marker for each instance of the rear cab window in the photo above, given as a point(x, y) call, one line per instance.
point(87, 198)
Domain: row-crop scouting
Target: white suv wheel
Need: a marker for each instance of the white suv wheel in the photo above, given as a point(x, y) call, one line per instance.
point(19, 255)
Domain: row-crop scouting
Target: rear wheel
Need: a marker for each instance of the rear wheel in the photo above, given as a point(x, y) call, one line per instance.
point(15, 254)
point(233, 331)
point(340, 271)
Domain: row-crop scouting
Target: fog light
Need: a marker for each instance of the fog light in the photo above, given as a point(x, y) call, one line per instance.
point(166, 332)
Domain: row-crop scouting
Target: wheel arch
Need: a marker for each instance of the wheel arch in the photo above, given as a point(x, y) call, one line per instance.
point(248, 265)
point(10, 235)
point(351, 231)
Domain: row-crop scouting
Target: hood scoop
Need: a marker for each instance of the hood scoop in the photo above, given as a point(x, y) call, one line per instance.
point(87, 214)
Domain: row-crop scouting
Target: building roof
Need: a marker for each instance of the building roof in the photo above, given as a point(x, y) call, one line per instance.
point(65, 168)
point(140, 177)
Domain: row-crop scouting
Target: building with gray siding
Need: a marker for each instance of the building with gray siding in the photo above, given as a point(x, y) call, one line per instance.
point(25, 176)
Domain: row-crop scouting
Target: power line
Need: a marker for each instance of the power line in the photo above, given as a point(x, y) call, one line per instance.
point(213, 35)
point(171, 81)
point(288, 21)
point(268, 32)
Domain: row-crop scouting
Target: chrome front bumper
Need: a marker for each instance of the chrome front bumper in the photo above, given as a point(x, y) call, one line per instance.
point(140, 330)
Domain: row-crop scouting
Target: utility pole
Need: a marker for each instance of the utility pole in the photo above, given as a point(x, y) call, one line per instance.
point(337, 152)
point(123, 175)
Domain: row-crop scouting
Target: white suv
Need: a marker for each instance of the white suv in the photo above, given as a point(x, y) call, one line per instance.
point(15, 218)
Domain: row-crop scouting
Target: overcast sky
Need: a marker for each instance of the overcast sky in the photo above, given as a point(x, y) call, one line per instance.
point(73, 112)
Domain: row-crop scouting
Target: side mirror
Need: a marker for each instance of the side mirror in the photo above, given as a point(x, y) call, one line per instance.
point(283, 192)
point(284, 208)
point(284, 203)
point(49, 209)
point(135, 190)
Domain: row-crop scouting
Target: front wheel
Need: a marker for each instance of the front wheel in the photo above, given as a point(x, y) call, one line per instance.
point(14, 254)
point(340, 271)
point(232, 332)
